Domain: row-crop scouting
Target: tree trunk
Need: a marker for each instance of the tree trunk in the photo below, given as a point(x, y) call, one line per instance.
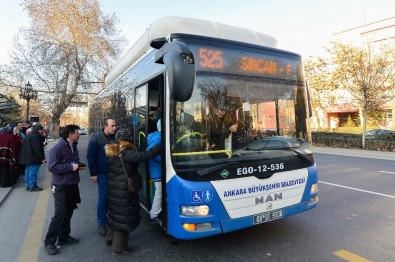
point(55, 125)
point(363, 127)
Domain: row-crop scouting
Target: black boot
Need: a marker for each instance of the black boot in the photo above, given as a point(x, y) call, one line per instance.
point(51, 249)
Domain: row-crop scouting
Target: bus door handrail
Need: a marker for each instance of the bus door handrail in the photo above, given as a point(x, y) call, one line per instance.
point(226, 151)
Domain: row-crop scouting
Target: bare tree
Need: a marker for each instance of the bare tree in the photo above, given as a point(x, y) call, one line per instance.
point(318, 76)
point(367, 74)
point(65, 51)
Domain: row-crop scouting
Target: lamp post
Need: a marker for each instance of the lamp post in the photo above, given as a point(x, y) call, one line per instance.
point(28, 93)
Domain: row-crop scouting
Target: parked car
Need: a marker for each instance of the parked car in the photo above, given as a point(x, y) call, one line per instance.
point(273, 143)
point(83, 131)
point(375, 133)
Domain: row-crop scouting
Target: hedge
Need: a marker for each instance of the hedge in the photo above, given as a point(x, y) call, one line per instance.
point(347, 140)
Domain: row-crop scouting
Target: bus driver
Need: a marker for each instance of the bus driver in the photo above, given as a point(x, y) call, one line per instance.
point(223, 121)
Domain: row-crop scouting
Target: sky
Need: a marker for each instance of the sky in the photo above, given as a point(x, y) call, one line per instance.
point(301, 26)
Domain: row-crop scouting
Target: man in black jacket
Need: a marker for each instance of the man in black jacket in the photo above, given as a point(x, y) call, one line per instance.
point(32, 155)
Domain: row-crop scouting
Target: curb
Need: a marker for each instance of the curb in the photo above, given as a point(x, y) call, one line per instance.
point(4, 192)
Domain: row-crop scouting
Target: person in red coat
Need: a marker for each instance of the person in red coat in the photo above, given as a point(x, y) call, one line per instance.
point(10, 147)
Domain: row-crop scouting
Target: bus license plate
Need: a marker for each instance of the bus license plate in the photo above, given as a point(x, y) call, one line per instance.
point(268, 216)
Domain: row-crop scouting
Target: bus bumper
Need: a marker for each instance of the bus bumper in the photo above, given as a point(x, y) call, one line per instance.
point(229, 225)
point(185, 193)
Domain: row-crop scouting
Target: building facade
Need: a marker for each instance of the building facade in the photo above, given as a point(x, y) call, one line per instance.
point(376, 34)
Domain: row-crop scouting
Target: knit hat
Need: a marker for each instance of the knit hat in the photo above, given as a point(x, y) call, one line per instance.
point(38, 127)
point(124, 135)
point(9, 128)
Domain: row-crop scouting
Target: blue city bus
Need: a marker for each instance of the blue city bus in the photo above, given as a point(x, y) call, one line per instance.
point(236, 145)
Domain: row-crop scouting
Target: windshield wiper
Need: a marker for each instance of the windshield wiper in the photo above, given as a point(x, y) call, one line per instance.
point(206, 171)
point(297, 152)
point(301, 155)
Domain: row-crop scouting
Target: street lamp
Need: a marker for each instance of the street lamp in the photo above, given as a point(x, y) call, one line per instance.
point(28, 93)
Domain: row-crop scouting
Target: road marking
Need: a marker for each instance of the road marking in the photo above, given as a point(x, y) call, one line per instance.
point(31, 245)
point(357, 189)
point(387, 172)
point(346, 255)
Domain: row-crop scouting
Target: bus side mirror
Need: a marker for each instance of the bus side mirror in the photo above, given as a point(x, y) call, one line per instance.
point(181, 69)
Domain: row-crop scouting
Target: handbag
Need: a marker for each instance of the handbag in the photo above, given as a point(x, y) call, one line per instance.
point(133, 186)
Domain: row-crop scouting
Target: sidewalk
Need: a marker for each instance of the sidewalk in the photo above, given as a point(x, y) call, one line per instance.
point(355, 153)
point(4, 192)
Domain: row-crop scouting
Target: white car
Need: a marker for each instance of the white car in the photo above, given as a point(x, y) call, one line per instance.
point(82, 131)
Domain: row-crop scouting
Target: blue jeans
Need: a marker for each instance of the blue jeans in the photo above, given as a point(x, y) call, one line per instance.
point(102, 199)
point(31, 173)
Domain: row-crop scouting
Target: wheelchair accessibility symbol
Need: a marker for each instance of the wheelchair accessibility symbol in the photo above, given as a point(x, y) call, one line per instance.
point(199, 196)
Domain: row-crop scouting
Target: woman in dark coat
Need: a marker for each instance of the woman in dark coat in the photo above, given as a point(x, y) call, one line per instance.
point(123, 215)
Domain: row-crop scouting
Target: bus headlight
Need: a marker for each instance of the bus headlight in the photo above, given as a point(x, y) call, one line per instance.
point(195, 210)
point(314, 188)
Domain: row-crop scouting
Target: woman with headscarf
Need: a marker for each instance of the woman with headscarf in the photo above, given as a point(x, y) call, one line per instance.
point(123, 215)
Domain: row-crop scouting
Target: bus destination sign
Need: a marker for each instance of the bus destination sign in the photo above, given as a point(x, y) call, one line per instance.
point(228, 61)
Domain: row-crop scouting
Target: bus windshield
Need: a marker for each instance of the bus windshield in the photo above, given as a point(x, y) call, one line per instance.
point(233, 117)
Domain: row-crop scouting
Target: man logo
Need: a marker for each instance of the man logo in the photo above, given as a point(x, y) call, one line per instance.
point(269, 206)
point(268, 198)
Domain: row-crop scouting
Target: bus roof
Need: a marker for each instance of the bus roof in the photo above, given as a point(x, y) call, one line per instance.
point(165, 26)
